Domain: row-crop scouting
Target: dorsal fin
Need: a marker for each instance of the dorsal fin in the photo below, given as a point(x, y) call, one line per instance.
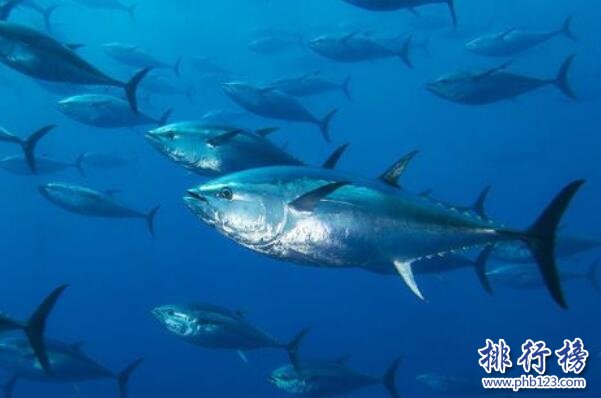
point(333, 159)
point(308, 201)
point(392, 175)
point(264, 132)
point(479, 206)
point(223, 138)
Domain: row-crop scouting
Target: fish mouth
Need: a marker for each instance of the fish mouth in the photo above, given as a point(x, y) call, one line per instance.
point(271, 380)
point(157, 313)
point(152, 137)
point(195, 196)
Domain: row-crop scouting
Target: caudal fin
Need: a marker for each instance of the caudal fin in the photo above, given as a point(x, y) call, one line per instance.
point(346, 88)
point(324, 125)
point(79, 164)
point(566, 29)
point(480, 267)
point(294, 345)
point(7, 8)
point(9, 387)
point(131, 11)
point(177, 67)
point(131, 87)
point(164, 119)
point(451, 4)
point(29, 145)
point(540, 238)
point(562, 78)
point(36, 326)
point(150, 219)
point(125, 375)
point(47, 14)
point(592, 274)
point(389, 379)
point(405, 53)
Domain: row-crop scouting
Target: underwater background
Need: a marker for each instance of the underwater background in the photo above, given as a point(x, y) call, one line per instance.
point(526, 149)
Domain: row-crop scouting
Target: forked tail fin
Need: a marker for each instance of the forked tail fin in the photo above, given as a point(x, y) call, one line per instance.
point(324, 125)
point(29, 145)
point(294, 345)
point(405, 53)
point(125, 375)
point(150, 219)
point(452, 10)
point(562, 82)
point(346, 88)
point(389, 379)
point(36, 326)
point(540, 238)
point(131, 88)
point(566, 29)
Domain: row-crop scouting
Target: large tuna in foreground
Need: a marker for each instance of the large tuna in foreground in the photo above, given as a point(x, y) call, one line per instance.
point(328, 218)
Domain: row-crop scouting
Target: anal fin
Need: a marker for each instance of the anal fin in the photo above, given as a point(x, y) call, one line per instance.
point(405, 270)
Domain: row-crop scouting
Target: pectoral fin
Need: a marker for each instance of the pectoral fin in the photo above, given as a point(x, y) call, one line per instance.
point(405, 270)
point(223, 138)
point(308, 201)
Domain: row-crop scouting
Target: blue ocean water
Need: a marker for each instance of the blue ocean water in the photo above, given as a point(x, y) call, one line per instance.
point(526, 149)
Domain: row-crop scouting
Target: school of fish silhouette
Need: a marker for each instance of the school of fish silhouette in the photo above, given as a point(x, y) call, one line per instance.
point(260, 196)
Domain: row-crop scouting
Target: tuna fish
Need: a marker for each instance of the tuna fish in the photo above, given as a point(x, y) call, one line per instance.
point(524, 276)
point(19, 165)
point(42, 57)
point(28, 145)
point(514, 41)
point(34, 329)
point(135, 56)
point(327, 218)
point(353, 47)
point(270, 103)
point(210, 150)
point(88, 202)
point(324, 378)
point(392, 5)
point(496, 85)
point(209, 326)
point(69, 365)
point(311, 84)
point(106, 111)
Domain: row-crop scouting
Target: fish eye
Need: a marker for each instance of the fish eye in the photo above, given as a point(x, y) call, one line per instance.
point(170, 312)
point(170, 135)
point(225, 193)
